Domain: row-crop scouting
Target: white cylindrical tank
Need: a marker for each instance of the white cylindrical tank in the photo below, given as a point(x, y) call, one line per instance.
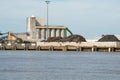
point(43, 34)
point(57, 33)
point(37, 33)
point(48, 32)
point(62, 33)
point(52, 32)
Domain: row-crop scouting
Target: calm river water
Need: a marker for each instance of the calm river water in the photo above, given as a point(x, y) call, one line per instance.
point(45, 65)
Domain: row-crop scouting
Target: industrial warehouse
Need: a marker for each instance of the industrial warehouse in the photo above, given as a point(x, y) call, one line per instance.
point(39, 36)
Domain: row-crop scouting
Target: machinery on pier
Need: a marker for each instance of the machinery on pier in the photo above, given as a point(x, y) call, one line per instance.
point(10, 38)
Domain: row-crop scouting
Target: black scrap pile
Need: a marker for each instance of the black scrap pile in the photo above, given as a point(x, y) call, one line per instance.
point(76, 38)
point(108, 38)
point(72, 38)
point(54, 39)
point(2, 39)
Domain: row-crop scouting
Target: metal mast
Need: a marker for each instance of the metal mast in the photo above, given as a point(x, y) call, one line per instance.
point(47, 2)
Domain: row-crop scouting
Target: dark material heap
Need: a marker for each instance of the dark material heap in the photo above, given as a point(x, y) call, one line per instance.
point(71, 38)
point(54, 39)
point(3, 39)
point(108, 38)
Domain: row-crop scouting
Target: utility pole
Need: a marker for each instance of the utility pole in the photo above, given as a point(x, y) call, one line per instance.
point(47, 34)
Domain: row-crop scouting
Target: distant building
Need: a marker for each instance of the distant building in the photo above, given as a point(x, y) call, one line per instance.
point(37, 29)
point(23, 36)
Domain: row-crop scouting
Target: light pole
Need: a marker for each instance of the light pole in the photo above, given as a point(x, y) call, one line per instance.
point(47, 2)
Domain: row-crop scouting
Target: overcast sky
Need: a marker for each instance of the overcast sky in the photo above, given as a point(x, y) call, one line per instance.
point(89, 18)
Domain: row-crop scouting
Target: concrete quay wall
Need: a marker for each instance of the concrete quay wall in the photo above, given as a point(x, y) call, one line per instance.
point(81, 44)
point(67, 46)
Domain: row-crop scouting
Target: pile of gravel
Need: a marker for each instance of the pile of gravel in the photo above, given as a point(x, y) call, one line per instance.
point(54, 39)
point(74, 38)
point(71, 38)
point(108, 38)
